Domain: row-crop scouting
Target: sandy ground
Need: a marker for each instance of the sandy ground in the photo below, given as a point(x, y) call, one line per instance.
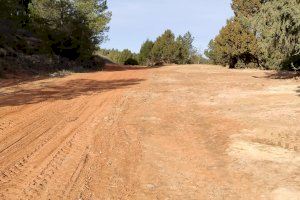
point(177, 132)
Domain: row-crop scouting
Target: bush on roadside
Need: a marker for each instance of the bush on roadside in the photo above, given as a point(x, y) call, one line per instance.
point(131, 61)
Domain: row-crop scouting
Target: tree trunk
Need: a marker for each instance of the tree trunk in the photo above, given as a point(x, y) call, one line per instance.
point(232, 63)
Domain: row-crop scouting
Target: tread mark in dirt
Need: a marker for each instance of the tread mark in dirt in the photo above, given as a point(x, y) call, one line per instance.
point(38, 184)
point(41, 124)
point(75, 175)
point(7, 174)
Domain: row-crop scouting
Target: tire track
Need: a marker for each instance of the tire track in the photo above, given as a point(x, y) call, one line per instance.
point(17, 167)
point(39, 183)
point(50, 151)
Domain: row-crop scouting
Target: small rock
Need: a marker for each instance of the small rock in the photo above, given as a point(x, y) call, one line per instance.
point(150, 186)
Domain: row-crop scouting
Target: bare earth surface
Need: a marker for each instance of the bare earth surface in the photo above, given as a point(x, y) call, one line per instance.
point(177, 132)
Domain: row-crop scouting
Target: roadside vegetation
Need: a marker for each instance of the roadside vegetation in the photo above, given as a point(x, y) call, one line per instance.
point(46, 35)
point(125, 57)
point(166, 49)
point(169, 49)
point(263, 34)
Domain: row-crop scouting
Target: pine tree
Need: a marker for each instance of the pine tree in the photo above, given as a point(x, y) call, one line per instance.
point(211, 53)
point(168, 49)
point(70, 28)
point(185, 49)
point(163, 50)
point(145, 53)
point(182, 55)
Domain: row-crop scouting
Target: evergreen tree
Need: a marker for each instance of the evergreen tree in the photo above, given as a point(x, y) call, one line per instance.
point(211, 53)
point(246, 8)
point(163, 50)
point(235, 44)
point(188, 40)
point(278, 31)
point(181, 51)
point(145, 53)
point(168, 49)
point(70, 28)
point(185, 49)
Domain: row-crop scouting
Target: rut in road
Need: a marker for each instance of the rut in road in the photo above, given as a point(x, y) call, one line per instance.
point(177, 132)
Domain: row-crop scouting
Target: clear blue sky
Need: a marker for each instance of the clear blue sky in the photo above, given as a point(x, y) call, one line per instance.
point(133, 21)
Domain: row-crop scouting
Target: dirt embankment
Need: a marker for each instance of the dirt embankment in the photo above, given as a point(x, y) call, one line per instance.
point(177, 132)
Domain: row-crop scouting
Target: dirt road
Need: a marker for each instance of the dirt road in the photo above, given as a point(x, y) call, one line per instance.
point(177, 132)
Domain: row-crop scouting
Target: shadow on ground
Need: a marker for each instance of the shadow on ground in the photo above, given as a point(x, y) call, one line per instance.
point(17, 79)
point(282, 75)
point(117, 67)
point(65, 91)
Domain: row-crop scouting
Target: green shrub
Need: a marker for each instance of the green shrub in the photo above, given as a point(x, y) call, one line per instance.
point(131, 61)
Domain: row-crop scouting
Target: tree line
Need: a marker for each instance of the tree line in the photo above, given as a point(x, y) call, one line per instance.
point(71, 29)
point(166, 49)
point(262, 34)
